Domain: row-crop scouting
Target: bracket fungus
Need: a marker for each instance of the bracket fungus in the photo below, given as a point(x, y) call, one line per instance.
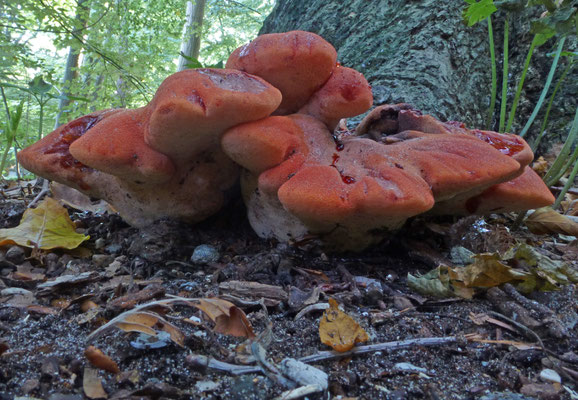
point(303, 66)
point(524, 191)
point(274, 112)
point(161, 160)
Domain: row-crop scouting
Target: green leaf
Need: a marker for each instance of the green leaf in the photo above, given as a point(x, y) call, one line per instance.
point(39, 86)
point(478, 11)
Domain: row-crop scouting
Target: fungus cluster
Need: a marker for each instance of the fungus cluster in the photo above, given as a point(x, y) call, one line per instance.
point(274, 111)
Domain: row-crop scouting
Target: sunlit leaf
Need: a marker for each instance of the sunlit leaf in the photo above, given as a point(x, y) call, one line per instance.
point(338, 330)
point(47, 226)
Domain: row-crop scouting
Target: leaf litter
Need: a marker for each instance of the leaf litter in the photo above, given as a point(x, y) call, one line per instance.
point(264, 299)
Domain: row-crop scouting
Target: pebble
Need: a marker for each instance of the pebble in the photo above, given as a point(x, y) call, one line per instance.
point(113, 248)
point(549, 375)
point(205, 254)
point(15, 255)
point(99, 243)
point(206, 386)
point(101, 260)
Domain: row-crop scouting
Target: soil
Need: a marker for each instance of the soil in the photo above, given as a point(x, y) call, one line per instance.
point(44, 325)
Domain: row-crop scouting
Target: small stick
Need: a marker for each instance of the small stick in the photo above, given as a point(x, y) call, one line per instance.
point(206, 362)
point(40, 195)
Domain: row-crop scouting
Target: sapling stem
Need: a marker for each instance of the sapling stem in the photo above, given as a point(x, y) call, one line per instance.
point(546, 87)
point(557, 169)
point(568, 185)
point(494, 75)
point(547, 114)
point(521, 84)
point(504, 78)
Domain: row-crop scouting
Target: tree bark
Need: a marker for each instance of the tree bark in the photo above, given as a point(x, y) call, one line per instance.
point(192, 30)
point(420, 52)
point(70, 72)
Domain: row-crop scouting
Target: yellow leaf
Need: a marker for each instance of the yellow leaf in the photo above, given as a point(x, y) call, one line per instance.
point(47, 226)
point(338, 330)
point(546, 220)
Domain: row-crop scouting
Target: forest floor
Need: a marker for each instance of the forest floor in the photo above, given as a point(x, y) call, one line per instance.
point(498, 345)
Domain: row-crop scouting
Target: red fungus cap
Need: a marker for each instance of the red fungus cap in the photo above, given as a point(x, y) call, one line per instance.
point(350, 190)
point(297, 63)
point(161, 160)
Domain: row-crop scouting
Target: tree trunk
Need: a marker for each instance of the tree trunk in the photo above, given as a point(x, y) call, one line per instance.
point(420, 52)
point(70, 72)
point(192, 33)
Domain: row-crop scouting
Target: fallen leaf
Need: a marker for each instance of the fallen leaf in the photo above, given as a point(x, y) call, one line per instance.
point(338, 330)
point(41, 310)
point(228, 318)
point(47, 226)
point(92, 385)
point(546, 221)
point(149, 323)
point(440, 282)
point(3, 347)
point(540, 166)
point(534, 271)
point(517, 345)
point(545, 274)
point(487, 271)
point(100, 360)
point(77, 200)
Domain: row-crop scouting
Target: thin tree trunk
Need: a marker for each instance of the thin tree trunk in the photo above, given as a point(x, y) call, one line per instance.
point(70, 72)
point(192, 30)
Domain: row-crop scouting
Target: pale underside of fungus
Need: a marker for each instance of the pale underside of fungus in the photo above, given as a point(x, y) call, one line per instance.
point(274, 111)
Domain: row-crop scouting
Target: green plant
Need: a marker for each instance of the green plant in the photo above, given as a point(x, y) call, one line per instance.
point(10, 128)
point(559, 19)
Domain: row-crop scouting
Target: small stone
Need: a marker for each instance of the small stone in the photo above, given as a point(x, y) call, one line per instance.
point(461, 256)
point(549, 375)
point(205, 254)
point(16, 255)
point(113, 248)
point(101, 260)
point(99, 243)
point(206, 386)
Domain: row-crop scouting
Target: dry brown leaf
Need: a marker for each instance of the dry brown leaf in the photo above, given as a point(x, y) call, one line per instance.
point(546, 220)
point(338, 330)
point(88, 305)
point(92, 385)
point(517, 345)
point(3, 347)
point(540, 166)
point(150, 323)
point(228, 318)
point(100, 360)
point(41, 310)
point(77, 200)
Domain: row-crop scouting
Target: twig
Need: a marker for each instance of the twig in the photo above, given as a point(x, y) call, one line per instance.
point(388, 346)
point(40, 195)
point(206, 362)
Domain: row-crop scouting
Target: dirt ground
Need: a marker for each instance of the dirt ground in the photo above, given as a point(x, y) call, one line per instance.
point(499, 345)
